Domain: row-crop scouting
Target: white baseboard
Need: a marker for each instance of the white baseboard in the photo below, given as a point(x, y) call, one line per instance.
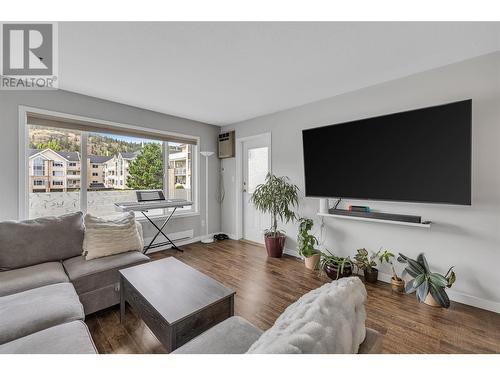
point(292, 252)
point(460, 297)
point(232, 236)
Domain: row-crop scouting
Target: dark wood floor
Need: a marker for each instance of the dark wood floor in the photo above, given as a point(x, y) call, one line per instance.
point(266, 286)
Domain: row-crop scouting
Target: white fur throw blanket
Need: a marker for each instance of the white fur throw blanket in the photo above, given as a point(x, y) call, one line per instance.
point(329, 320)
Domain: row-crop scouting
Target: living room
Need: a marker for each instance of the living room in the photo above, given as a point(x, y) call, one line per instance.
point(250, 187)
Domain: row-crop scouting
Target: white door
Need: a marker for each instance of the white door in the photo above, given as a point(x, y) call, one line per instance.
point(256, 165)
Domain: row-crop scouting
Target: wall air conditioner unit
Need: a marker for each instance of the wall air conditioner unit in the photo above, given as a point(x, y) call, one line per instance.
point(226, 144)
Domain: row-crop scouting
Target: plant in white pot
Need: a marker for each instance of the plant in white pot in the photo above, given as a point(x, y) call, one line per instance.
point(429, 287)
point(306, 244)
point(277, 196)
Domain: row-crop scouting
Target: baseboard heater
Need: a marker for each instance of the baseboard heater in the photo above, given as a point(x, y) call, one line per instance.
point(377, 215)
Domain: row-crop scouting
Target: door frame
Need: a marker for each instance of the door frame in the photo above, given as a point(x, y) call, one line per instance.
point(239, 177)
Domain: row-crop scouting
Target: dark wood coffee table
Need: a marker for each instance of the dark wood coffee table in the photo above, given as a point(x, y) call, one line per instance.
point(175, 301)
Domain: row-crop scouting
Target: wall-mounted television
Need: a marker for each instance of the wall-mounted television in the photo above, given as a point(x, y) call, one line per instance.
point(422, 155)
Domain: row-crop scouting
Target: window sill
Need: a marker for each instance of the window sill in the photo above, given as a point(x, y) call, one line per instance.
point(141, 218)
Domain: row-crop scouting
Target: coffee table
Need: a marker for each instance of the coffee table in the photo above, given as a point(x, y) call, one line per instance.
point(175, 301)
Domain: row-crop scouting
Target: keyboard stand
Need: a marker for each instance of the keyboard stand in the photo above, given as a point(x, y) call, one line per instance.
point(160, 230)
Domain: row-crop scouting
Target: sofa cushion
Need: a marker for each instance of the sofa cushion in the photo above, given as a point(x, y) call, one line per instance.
point(47, 239)
point(36, 309)
point(87, 275)
point(373, 342)
point(104, 237)
point(67, 338)
point(233, 336)
point(21, 279)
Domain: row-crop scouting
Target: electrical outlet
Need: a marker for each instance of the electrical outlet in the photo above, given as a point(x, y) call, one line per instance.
point(202, 222)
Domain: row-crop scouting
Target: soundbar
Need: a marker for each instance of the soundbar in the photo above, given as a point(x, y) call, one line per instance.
point(377, 215)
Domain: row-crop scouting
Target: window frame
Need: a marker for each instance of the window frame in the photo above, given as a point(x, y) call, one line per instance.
point(23, 200)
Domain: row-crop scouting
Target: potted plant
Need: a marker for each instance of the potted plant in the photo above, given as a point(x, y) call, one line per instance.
point(336, 267)
point(429, 287)
point(276, 196)
point(306, 243)
point(367, 263)
point(397, 283)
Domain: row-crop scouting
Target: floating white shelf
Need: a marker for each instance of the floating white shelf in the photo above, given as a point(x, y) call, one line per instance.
point(420, 225)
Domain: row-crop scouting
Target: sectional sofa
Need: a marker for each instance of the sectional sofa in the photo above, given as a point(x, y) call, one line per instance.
point(47, 287)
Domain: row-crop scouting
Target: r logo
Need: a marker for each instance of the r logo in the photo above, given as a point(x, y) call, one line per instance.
point(27, 49)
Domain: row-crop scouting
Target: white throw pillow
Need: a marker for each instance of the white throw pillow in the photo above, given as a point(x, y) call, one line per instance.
point(105, 237)
point(327, 320)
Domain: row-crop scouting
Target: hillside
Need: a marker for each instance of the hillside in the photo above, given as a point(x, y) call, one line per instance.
point(62, 140)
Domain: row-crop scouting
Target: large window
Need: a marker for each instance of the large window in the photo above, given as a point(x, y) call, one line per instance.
point(116, 166)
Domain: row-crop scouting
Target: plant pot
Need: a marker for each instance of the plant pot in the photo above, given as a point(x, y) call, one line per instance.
point(429, 300)
point(371, 277)
point(275, 245)
point(312, 261)
point(332, 270)
point(397, 286)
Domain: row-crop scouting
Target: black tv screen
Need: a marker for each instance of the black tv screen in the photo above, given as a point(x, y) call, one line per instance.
point(422, 155)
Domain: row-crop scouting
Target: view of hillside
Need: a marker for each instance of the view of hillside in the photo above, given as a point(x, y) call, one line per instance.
point(64, 140)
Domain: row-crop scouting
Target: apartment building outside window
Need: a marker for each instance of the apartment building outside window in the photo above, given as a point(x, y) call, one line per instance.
point(38, 167)
point(116, 166)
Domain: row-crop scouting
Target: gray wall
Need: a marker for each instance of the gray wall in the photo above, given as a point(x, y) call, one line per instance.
point(76, 104)
point(467, 237)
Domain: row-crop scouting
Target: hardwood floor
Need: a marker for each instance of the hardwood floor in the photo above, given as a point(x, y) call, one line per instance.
point(266, 286)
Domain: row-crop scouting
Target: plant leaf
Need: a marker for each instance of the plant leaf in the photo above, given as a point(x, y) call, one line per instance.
point(410, 272)
point(409, 287)
point(402, 258)
point(423, 262)
point(438, 280)
point(440, 296)
point(451, 279)
point(418, 280)
point(415, 266)
point(423, 290)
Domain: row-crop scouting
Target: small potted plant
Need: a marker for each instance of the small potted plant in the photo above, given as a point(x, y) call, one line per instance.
point(336, 267)
point(397, 283)
point(306, 244)
point(276, 196)
point(367, 263)
point(429, 287)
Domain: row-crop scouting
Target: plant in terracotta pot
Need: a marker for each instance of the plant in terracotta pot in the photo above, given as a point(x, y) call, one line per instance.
point(367, 263)
point(429, 286)
point(277, 196)
point(335, 267)
point(306, 244)
point(397, 283)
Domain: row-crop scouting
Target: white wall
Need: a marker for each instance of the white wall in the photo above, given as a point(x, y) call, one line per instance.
point(76, 104)
point(467, 237)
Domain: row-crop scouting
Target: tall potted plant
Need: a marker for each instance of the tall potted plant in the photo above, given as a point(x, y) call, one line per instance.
point(306, 244)
point(429, 286)
point(277, 196)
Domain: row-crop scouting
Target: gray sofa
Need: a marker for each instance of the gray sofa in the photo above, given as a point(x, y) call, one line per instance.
point(236, 335)
point(47, 287)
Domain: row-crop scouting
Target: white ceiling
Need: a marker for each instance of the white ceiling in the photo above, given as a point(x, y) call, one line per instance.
point(222, 73)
